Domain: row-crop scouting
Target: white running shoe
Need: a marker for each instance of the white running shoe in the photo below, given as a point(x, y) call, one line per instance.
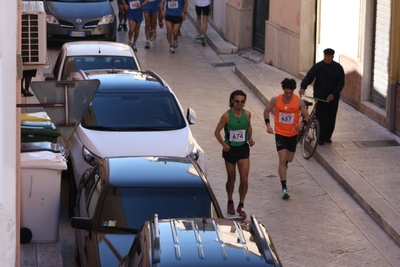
point(171, 49)
point(175, 43)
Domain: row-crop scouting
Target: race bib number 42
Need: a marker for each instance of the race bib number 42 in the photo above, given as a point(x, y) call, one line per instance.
point(237, 136)
point(286, 118)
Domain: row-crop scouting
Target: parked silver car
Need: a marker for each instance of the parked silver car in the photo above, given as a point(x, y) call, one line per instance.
point(80, 20)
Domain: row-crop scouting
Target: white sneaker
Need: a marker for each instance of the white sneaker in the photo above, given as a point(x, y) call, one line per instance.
point(171, 49)
point(198, 37)
point(175, 43)
point(147, 46)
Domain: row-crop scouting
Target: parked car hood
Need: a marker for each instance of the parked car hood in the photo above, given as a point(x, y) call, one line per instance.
point(113, 144)
point(110, 245)
point(86, 11)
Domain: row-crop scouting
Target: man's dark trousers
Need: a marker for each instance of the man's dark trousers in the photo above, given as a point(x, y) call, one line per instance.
point(326, 115)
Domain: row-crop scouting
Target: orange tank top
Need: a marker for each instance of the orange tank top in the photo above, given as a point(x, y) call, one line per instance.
point(287, 116)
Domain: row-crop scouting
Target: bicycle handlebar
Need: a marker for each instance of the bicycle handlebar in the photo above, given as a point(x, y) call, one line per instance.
point(318, 99)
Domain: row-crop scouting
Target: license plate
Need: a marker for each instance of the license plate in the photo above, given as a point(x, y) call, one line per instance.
point(78, 34)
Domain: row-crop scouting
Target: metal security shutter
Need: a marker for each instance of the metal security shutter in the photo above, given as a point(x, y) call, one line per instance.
point(380, 78)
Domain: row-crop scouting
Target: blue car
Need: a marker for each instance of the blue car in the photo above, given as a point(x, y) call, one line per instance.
point(119, 194)
point(202, 242)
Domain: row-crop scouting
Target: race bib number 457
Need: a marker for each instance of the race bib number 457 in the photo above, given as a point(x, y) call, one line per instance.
point(286, 118)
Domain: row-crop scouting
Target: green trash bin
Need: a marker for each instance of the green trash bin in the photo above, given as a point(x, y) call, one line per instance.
point(38, 131)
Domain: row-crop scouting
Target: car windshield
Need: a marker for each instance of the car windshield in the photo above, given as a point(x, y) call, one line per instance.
point(133, 111)
point(76, 63)
point(130, 207)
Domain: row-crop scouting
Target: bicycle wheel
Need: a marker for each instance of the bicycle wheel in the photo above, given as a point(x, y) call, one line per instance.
point(300, 136)
point(310, 139)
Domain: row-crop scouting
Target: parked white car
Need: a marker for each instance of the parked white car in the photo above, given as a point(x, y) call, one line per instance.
point(92, 55)
point(132, 114)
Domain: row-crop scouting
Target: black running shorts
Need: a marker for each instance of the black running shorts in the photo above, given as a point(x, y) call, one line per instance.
point(284, 142)
point(236, 153)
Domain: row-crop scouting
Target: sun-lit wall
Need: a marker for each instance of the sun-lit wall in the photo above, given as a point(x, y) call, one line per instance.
point(289, 35)
point(339, 28)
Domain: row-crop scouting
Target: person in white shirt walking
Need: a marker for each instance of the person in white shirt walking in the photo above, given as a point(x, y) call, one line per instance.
point(202, 11)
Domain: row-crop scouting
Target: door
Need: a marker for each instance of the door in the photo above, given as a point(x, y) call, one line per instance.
point(260, 15)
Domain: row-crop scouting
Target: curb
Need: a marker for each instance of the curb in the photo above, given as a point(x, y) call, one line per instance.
point(214, 40)
point(374, 204)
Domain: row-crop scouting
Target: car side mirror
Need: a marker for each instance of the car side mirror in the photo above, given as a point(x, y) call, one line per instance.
point(191, 116)
point(81, 223)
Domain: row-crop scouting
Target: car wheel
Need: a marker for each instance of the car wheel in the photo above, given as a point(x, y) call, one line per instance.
point(73, 191)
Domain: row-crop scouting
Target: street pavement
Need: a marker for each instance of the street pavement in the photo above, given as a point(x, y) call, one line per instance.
point(344, 205)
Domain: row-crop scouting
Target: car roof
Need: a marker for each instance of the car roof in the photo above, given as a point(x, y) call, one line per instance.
point(85, 48)
point(211, 242)
point(120, 82)
point(153, 171)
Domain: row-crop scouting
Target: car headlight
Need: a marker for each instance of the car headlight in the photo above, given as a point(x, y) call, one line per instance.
point(89, 157)
point(106, 19)
point(51, 20)
point(195, 154)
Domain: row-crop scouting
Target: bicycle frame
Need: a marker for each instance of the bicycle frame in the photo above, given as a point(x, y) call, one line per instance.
point(309, 135)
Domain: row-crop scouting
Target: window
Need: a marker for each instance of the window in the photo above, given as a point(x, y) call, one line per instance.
point(76, 63)
point(133, 112)
point(130, 207)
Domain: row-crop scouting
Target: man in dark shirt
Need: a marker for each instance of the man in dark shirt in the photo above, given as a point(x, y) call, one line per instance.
point(329, 82)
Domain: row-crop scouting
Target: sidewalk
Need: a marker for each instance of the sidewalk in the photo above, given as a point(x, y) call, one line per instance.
point(364, 157)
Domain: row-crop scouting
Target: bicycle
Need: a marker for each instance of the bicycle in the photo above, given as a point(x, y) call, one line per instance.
point(309, 135)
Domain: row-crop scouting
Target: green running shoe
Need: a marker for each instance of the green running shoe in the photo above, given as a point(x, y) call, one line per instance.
point(285, 194)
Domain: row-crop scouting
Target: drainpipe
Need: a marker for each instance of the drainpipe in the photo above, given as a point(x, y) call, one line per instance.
point(394, 61)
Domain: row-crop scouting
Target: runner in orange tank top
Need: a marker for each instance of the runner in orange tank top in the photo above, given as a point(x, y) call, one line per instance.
point(287, 113)
point(287, 116)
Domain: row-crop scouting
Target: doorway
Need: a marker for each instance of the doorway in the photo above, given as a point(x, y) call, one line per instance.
point(260, 15)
